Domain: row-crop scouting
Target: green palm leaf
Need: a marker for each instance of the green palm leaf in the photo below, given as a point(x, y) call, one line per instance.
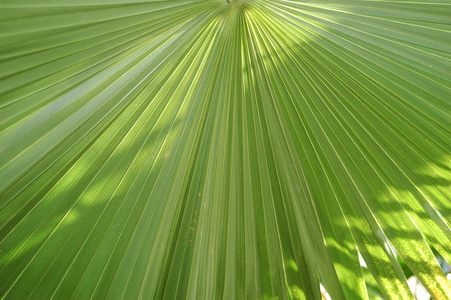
point(206, 149)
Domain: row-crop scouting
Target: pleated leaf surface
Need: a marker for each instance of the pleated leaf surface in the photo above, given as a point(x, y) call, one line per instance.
point(212, 150)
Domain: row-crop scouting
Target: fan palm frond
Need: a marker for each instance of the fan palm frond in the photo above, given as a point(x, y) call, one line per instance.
point(223, 149)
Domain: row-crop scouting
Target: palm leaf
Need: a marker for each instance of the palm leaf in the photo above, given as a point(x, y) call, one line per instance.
point(197, 149)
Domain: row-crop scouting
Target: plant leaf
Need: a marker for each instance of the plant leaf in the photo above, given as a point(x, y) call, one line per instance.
point(206, 149)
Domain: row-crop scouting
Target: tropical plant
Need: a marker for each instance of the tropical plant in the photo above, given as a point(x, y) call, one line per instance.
point(213, 149)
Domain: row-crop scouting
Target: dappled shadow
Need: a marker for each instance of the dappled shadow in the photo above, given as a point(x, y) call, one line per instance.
point(328, 101)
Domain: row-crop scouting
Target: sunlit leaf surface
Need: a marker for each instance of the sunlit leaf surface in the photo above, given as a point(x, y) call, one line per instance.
point(206, 150)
